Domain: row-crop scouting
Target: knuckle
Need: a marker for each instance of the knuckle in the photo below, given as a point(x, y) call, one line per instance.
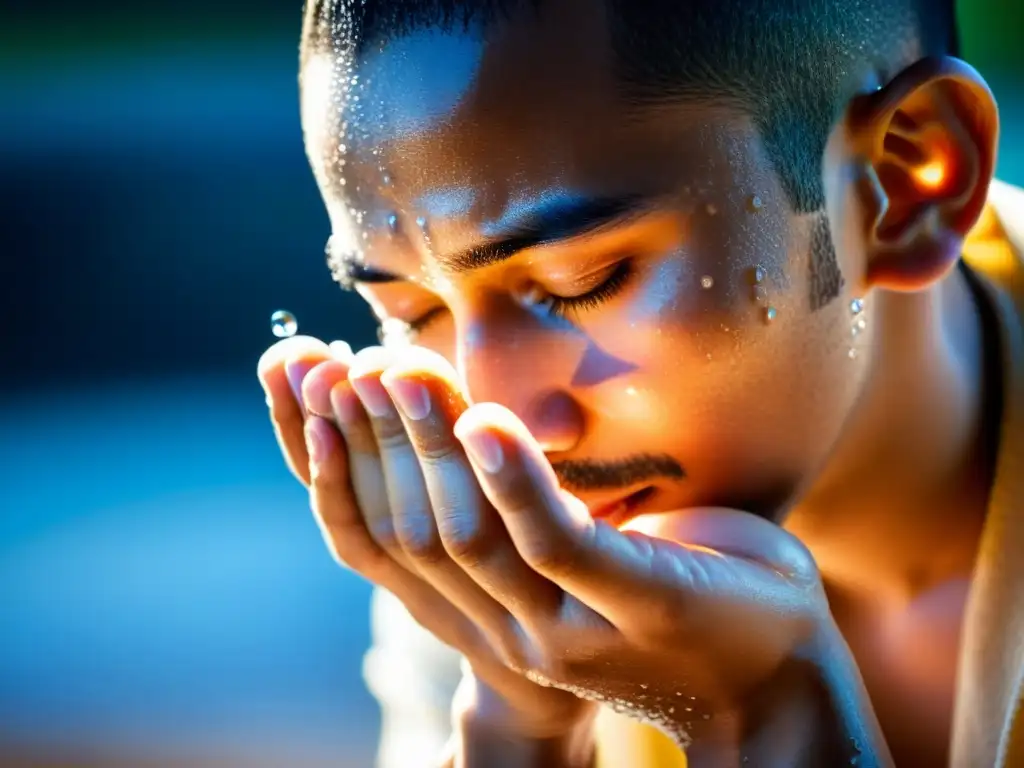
point(464, 539)
point(550, 557)
point(381, 529)
point(419, 538)
point(390, 434)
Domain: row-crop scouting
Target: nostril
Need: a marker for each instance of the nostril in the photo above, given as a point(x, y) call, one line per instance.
point(556, 420)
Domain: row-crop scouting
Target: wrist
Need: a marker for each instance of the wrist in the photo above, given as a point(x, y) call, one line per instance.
point(816, 711)
point(479, 741)
point(488, 730)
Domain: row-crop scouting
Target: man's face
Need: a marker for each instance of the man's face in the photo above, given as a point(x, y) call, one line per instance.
point(631, 282)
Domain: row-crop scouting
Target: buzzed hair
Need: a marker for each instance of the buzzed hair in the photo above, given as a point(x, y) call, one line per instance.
point(792, 65)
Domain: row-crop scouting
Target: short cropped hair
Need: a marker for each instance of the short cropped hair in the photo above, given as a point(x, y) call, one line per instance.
point(791, 64)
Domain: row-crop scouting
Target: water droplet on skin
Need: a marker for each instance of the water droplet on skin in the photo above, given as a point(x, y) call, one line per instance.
point(706, 716)
point(644, 686)
point(709, 357)
point(679, 693)
point(711, 208)
point(770, 314)
point(760, 294)
point(852, 354)
point(393, 332)
point(283, 324)
point(421, 222)
point(759, 274)
point(707, 282)
point(755, 203)
point(856, 306)
point(393, 222)
point(386, 180)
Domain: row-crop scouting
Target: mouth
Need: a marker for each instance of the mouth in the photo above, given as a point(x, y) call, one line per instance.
point(622, 509)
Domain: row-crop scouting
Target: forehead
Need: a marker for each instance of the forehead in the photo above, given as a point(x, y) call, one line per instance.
point(467, 122)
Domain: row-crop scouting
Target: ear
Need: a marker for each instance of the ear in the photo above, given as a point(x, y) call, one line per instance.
point(926, 143)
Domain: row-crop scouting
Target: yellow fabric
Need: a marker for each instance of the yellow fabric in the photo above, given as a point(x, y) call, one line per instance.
point(989, 722)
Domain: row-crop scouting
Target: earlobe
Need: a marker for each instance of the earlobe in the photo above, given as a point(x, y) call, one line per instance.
point(926, 144)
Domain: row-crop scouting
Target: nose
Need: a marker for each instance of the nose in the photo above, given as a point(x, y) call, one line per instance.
point(527, 370)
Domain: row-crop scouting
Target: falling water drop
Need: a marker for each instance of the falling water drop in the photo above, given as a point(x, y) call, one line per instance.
point(283, 324)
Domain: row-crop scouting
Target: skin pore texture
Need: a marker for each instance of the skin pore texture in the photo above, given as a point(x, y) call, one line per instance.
point(633, 283)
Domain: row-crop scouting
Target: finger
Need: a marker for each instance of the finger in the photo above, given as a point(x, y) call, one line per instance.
point(413, 519)
point(334, 506)
point(286, 412)
point(423, 386)
point(368, 483)
point(317, 386)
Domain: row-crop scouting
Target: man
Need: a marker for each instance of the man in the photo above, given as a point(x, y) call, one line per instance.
point(728, 435)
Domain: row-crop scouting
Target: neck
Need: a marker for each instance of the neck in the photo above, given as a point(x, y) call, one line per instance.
point(900, 506)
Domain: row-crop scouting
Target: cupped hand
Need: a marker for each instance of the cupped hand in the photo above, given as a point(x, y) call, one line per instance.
point(370, 496)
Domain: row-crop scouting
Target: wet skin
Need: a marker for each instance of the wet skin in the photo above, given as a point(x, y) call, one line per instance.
point(594, 267)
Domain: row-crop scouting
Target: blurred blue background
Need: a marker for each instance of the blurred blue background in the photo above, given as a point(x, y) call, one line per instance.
point(165, 597)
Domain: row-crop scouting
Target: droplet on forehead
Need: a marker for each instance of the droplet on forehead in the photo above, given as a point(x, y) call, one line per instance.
point(283, 324)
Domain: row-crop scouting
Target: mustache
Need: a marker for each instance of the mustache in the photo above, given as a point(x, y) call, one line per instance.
point(606, 475)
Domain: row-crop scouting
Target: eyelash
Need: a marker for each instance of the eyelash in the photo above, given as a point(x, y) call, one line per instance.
point(559, 306)
point(562, 306)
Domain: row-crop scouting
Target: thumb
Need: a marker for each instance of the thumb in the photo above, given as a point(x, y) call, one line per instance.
point(730, 532)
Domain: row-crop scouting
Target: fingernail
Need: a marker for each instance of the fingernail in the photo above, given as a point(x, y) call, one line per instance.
point(295, 371)
point(410, 396)
point(374, 396)
point(341, 350)
point(484, 449)
point(316, 443)
point(345, 403)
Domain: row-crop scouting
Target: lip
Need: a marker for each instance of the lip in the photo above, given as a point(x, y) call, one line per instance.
point(622, 507)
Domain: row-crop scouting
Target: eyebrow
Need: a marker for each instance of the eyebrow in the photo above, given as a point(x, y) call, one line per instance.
point(548, 220)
